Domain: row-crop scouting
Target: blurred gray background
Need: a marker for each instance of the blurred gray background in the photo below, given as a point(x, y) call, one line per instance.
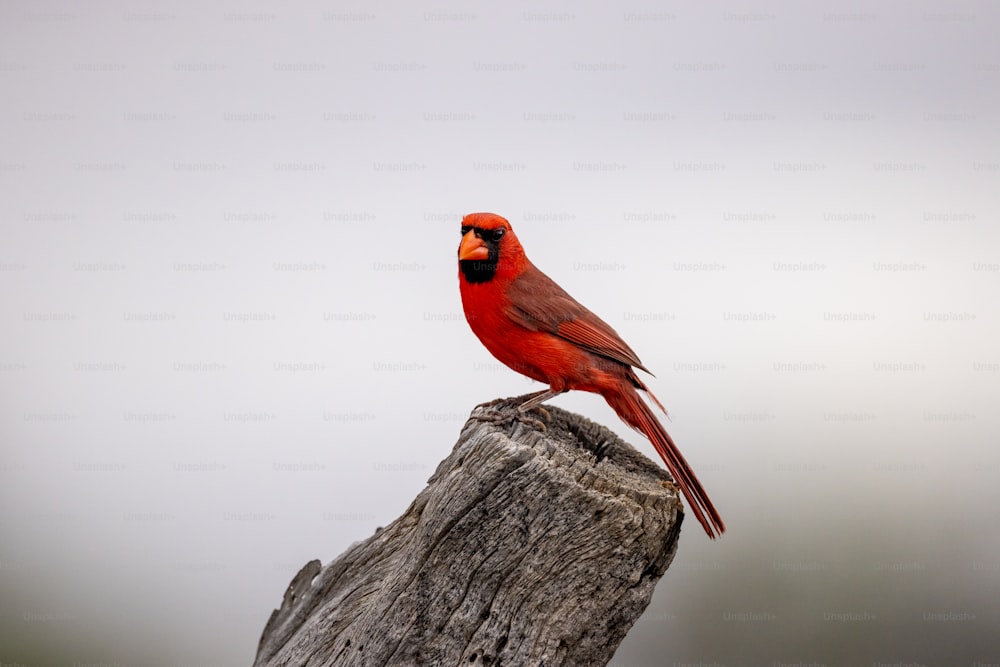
point(232, 339)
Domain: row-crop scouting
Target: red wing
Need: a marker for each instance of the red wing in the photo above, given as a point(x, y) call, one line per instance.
point(539, 304)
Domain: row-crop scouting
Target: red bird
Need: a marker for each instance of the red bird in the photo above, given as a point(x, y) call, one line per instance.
point(533, 326)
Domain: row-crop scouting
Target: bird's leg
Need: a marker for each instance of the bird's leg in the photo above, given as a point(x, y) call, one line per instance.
point(534, 400)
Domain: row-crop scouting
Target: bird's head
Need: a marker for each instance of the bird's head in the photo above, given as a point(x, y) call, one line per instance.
point(489, 248)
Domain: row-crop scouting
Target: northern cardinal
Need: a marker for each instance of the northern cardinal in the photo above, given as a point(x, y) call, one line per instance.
point(533, 326)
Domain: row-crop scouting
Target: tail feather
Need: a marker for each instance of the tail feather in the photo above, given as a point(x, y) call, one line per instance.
point(635, 412)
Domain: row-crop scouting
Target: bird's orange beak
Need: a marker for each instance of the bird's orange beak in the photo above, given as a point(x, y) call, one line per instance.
point(472, 247)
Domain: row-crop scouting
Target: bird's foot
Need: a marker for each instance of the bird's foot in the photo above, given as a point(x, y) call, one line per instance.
point(519, 409)
point(512, 414)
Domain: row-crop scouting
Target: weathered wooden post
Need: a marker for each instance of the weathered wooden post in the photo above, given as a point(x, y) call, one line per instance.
point(527, 547)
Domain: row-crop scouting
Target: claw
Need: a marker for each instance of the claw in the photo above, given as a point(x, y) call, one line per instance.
point(542, 411)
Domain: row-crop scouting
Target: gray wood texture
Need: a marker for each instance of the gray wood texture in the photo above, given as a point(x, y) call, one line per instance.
point(527, 547)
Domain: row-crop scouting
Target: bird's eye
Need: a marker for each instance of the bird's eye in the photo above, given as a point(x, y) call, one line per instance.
point(466, 230)
point(497, 234)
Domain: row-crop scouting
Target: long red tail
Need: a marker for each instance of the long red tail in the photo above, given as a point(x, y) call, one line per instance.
point(635, 412)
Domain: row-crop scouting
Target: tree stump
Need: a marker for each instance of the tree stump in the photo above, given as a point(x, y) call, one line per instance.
point(527, 547)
